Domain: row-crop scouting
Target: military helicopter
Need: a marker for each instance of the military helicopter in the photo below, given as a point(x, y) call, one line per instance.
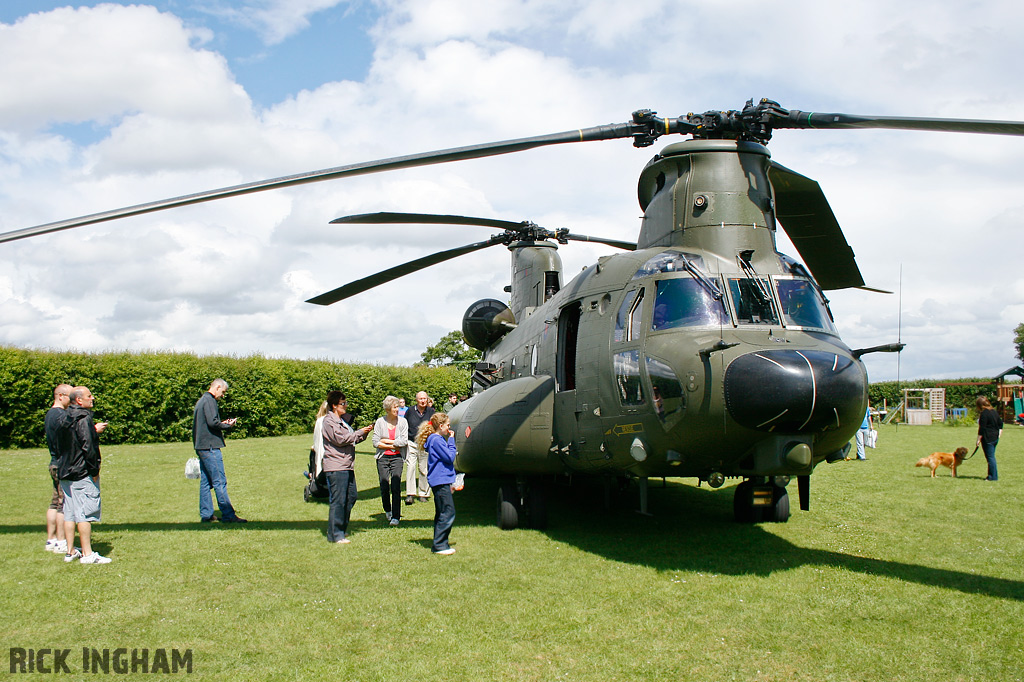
point(701, 351)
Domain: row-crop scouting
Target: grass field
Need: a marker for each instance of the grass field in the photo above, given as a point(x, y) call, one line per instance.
point(892, 575)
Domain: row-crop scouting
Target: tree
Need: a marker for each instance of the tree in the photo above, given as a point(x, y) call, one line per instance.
point(1018, 340)
point(451, 350)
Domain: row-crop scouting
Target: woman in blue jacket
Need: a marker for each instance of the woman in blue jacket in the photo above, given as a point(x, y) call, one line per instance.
point(436, 438)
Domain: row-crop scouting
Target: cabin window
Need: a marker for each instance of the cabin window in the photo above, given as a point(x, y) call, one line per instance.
point(627, 322)
point(627, 377)
point(668, 261)
point(666, 390)
point(683, 302)
point(753, 300)
point(802, 305)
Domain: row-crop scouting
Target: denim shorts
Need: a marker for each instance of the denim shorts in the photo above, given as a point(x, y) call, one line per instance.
point(81, 500)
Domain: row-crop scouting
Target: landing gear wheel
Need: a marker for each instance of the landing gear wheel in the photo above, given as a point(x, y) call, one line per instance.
point(743, 504)
point(508, 506)
point(779, 511)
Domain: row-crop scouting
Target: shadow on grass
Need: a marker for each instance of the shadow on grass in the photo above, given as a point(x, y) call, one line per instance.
point(693, 530)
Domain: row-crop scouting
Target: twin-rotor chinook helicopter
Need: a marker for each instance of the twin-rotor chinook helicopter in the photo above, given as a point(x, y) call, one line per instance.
point(699, 352)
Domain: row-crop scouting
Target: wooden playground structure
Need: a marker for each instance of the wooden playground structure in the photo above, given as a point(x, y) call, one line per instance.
point(926, 405)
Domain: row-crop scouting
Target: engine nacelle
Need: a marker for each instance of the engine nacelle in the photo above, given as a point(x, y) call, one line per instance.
point(486, 321)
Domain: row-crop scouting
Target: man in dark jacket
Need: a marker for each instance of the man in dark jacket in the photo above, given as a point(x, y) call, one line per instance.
point(79, 472)
point(208, 438)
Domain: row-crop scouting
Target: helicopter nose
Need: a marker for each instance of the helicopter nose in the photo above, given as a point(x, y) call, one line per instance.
point(795, 390)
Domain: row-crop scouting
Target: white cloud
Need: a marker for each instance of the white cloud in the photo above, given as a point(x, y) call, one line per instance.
point(274, 20)
point(98, 64)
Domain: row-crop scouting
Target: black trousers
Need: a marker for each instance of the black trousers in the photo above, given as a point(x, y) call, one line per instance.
point(389, 469)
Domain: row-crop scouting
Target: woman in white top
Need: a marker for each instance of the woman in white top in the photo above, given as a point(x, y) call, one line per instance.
point(391, 437)
point(317, 451)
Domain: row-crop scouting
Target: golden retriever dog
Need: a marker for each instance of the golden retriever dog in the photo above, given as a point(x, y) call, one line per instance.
point(946, 459)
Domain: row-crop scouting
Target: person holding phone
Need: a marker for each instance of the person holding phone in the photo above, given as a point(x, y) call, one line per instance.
point(208, 438)
point(339, 447)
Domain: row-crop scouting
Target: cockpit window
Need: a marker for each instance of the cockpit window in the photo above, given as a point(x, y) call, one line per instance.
point(627, 377)
point(753, 301)
point(627, 322)
point(668, 261)
point(684, 302)
point(802, 306)
point(667, 397)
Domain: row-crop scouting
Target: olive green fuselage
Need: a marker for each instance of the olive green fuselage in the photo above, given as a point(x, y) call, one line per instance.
point(703, 351)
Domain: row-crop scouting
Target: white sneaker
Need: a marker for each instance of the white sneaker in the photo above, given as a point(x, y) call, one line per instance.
point(394, 522)
point(93, 558)
point(51, 546)
point(387, 515)
point(62, 547)
point(77, 554)
point(446, 552)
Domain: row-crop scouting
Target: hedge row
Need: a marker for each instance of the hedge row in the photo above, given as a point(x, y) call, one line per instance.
point(149, 397)
point(956, 396)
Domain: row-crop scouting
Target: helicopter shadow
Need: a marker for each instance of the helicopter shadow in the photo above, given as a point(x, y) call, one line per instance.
point(692, 530)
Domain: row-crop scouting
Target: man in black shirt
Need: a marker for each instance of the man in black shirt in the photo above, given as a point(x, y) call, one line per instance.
point(58, 440)
point(415, 459)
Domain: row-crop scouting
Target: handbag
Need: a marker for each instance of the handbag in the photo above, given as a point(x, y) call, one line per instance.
point(192, 467)
point(872, 440)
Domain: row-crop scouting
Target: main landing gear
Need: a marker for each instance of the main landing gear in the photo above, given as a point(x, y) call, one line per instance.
point(522, 502)
point(761, 499)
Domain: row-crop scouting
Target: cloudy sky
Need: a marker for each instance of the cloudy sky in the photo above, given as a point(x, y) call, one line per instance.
point(104, 105)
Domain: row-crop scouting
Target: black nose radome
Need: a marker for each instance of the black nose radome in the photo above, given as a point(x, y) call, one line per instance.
point(798, 391)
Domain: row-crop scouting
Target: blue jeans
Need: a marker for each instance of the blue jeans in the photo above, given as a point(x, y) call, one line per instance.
point(211, 475)
point(990, 455)
point(862, 436)
point(444, 515)
point(341, 486)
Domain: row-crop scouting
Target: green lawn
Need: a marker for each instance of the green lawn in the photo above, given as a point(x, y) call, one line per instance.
point(891, 576)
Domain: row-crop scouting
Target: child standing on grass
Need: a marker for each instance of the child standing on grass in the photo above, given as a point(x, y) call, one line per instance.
point(436, 438)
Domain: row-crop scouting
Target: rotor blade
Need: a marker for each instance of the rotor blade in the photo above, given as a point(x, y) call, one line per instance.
point(805, 119)
point(628, 246)
point(386, 218)
point(803, 211)
point(606, 132)
point(359, 286)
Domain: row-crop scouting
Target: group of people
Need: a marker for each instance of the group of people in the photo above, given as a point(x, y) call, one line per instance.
point(72, 437)
point(73, 440)
point(429, 457)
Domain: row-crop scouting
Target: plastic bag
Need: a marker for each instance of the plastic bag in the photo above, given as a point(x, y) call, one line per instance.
point(192, 468)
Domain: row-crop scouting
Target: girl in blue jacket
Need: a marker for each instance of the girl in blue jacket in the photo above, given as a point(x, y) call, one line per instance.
point(436, 438)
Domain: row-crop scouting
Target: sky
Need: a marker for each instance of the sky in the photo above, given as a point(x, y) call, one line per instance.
point(104, 105)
